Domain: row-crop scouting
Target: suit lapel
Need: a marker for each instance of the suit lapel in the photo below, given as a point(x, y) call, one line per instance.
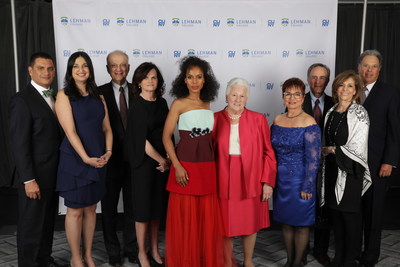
point(44, 106)
point(371, 95)
point(113, 110)
point(307, 104)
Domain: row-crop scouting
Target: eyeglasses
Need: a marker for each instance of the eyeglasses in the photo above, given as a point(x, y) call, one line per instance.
point(116, 66)
point(296, 95)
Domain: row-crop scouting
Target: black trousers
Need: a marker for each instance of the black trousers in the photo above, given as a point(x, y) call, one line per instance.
point(109, 213)
point(346, 227)
point(322, 230)
point(373, 203)
point(36, 227)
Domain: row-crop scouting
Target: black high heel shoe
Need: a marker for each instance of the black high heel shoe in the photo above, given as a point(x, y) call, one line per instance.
point(153, 262)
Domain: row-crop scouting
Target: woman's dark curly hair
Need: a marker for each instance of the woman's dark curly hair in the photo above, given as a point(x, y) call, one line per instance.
point(210, 88)
point(141, 73)
point(70, 87)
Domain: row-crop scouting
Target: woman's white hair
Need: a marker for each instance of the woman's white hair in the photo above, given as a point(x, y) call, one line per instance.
point(240, 82)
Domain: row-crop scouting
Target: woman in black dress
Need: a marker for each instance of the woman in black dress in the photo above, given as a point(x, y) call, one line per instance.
point(346, 175)
point(147, 157)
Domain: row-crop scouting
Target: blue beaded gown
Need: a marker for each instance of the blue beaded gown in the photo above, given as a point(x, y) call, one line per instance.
point(82, 185)
point(298, 152)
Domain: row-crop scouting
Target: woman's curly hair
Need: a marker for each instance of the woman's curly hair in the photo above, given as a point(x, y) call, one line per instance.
point(210, 88)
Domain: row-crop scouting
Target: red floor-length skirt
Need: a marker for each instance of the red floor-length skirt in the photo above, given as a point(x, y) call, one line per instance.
point(194, 232)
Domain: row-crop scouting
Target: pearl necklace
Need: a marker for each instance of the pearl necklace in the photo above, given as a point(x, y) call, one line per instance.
point(234, 117)
point(292, 117)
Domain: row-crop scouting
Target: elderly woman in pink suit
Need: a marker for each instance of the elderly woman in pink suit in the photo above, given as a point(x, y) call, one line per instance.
point(246, 167)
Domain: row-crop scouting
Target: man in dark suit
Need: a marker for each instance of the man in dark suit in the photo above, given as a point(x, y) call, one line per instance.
point(35, 139)
point(382, 103)
point(117, 94)
point(317, 103)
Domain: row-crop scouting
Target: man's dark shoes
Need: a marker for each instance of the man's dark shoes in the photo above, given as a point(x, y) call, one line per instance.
point(323, 259)
point(115, 261)
point(132, 257)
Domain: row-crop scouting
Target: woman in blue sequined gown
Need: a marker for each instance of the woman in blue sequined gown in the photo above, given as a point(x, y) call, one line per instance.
point(296, 139)
point(84, 153)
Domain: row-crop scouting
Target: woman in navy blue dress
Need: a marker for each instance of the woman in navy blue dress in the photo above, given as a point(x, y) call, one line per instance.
point(84, 153)
point(296, 139)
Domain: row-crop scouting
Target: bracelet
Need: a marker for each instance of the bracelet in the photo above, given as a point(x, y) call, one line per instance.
point(108, 150)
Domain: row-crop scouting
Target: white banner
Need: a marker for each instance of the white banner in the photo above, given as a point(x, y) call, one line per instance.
point(264, 41)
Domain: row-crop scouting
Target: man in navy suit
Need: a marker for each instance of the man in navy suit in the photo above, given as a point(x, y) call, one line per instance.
point(382, 103)
point(35, 138)
point(317, 101)
point(117, 94)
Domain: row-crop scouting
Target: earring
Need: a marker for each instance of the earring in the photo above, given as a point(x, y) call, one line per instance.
point(226, 101)
point(139, 86)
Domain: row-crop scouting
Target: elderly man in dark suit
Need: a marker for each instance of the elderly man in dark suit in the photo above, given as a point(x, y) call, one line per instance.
point(35, 139)
point(117, 94)
point(382, 103)
point(317, 104)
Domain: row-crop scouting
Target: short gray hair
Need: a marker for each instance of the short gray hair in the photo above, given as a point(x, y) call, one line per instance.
point(237, 81)
point(319, 65)
point(372, 52)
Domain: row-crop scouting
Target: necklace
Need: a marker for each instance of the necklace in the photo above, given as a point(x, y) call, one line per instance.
point(292, 117)
point(234, 117)
point(330, 137)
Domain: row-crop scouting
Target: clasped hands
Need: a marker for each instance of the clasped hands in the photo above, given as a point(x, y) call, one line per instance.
point(164, 165)
point(99, 162)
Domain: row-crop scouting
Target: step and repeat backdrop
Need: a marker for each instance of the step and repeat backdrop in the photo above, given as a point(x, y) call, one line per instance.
point(264, 41)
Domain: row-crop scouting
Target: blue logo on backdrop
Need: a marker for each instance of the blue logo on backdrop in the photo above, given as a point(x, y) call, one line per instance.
point(190, 22)
point(75, 21)
point(161, 23)
point(191, 52)
point(136, 52)
point(285, 22)
point(325, 22)
point(175, 22)
point(120, 21)
point(245, 22)
point(260, 53)
point(66, 53)
point(96, 53)
point(216, 22)
point(135, 22)
point(64, 20)
point(270, 23)
point(230, 22)
point(299, 52)
point(177, 53)
point(299, 22)
point(106, 22)
point(231, 54)
point(255, 53)
point(285, 53)
point(151, 53)
point(206, 53)
point(314, 53)
point(269, 86)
